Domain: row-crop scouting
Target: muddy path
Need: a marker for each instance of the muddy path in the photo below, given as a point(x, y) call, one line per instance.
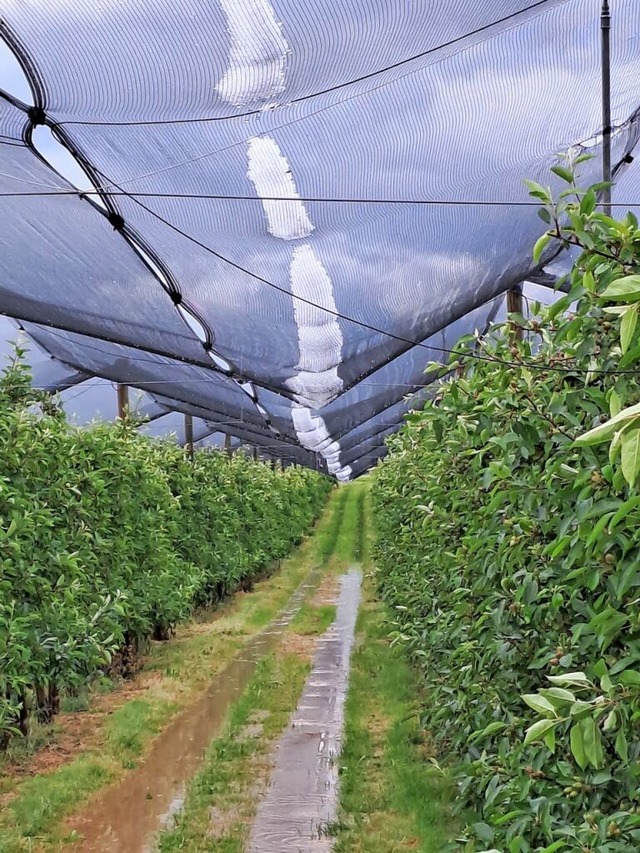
point(125, 817)
point(302, 799)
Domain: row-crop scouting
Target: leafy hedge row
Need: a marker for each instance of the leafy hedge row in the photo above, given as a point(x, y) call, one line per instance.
point(109, 538)
point(511, 556)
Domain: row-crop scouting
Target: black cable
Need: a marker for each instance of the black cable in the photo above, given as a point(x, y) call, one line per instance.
point(345, 317)
point(327, 91)
point(255, 198)
point(361, 323)
point(215, 197)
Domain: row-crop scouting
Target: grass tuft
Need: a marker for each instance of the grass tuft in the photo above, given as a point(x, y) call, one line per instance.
point(313, 619)
point(43, 797)
point(131, 726)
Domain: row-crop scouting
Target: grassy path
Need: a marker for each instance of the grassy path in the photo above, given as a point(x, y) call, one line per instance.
point(222, 799)
point(392, 799)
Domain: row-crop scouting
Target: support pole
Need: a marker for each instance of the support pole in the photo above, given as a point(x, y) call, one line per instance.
point(122, 392)
point(515, 305)
point(227, 445)
point(255, 453)
point(188, 436)
point(605, 31)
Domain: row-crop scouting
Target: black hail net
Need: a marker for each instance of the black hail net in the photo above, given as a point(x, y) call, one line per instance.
point(273, 220)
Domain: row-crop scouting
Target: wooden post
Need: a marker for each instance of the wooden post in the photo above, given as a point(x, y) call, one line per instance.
point(188, 436)
point(227, 445)
point(122, 392)
point(255, 453)
point(515, 305)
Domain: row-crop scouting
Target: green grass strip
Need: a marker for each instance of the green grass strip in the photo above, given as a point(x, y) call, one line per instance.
point(222, 797)
point(391, 798)
point(325, 542)
point(347, 548)
point(313, 619)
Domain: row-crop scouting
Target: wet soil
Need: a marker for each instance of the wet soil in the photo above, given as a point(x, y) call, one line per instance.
point(125, 817)
point(301, 803)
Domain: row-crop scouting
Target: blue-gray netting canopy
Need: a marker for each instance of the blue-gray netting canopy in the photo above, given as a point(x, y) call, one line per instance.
point(271, 214)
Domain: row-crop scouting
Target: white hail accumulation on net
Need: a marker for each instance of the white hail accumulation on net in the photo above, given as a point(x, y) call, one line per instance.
point(319, 336)
point(255, 76)
point(258, 53)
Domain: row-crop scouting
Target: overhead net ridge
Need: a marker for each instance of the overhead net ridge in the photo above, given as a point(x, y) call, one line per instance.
point(253, 242)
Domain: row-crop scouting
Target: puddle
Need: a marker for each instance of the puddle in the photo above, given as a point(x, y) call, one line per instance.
point(302, 799)
point(125, 817)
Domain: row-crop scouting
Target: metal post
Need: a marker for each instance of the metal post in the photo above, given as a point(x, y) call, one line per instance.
point(188, 436)
point(605, 30)
point(122, 392)
point(515, 306)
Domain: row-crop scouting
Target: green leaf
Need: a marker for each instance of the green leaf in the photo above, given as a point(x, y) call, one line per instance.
point(581, 158)
point(538, 191)
point(598, 528)
point(577, 746)
point(550, 740)
point(483, 831)
point(562, 172)
point(578, 679)
point(622, 748)
point(628, 327)
point(559, 694)
point(614, 447)
point(491, 729)
point(578, 708)
point(540, 245)
point(629, 358)
point(616, 310)
point(630, 678)
point(605, 431)
point(627, 507)
point(538, 730)
point(540, 704)
point(592, 741)
point(602, 778)
point(631, 455)
point(625, 289)
point(588, 203)
point(615, 403)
